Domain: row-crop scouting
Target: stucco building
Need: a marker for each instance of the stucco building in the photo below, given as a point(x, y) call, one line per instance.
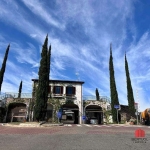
point(65, 95)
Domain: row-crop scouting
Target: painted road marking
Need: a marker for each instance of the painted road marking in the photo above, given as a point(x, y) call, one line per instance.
point(78, 125)
point(97, 126)
point(106, 126)
point(68, 125)
point(88, 125)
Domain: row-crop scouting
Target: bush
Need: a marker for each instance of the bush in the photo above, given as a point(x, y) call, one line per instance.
point(123, 122)
point(2, 113)
point(133, 120)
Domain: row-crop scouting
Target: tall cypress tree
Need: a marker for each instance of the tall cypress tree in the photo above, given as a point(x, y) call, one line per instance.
point(41, 91)
point(20, 89)
point(48, 73)
point(2, 71)
point(113, 90)
point(130, 96)
point(97, 94)
point(48, 65)
point(48, 62)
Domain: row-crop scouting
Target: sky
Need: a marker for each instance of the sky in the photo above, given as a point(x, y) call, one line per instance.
point(80, 33)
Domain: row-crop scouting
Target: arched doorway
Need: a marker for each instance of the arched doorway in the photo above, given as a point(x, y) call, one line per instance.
point(16, 112)
point(49, 112)
point(70, 114)
point(94, 114)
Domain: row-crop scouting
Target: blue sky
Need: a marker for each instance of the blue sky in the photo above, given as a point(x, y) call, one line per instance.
point(80, 33)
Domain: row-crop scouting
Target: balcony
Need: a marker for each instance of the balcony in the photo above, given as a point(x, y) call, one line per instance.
point(93, 98)
point(70, 96)
point(57, 95)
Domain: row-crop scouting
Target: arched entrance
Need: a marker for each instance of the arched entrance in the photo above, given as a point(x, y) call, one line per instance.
point(70, 114)
point(49, 112)
point(16, 112)
point(94, 114)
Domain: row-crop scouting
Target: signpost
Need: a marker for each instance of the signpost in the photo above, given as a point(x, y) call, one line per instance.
point(59, 114)
point(117, 108)
point(137, 113)
point(83, 117)
point(136, 106)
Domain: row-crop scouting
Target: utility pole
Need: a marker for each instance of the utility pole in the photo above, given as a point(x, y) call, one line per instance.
point(137, 106)
point(117, 116)
point(137, 114)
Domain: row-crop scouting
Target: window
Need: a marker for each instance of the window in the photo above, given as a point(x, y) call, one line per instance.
point(70, 90)
point(58, 90)
point(108, 107)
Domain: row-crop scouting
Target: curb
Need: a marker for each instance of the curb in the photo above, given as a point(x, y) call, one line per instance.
point(32, 125)
point(128, 125)
point(49, 125)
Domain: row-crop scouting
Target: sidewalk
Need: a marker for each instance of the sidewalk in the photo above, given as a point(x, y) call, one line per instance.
point(31, 124)
point(47, 124)
point(127, 124)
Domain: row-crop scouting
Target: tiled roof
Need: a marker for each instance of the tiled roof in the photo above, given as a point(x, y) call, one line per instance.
point(62, 81)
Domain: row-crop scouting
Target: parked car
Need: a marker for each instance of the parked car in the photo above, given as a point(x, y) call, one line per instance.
point(93, 121)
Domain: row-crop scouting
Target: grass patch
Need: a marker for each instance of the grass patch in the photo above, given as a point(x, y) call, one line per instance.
point(14, 123)
point(31, 122)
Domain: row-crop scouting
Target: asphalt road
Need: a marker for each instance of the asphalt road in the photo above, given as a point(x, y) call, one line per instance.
point(72, 137)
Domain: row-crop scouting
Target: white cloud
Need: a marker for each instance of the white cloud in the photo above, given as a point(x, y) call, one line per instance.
point(37, 8)
point(33, 35)
point(102, 22)
point(25, 55)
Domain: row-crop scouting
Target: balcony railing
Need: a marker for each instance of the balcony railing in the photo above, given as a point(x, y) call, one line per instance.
point(91, 97)
point(57, 95)
point(15, 95)
point(3, 96)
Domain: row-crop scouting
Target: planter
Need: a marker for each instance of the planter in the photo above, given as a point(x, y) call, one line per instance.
point(131, 123)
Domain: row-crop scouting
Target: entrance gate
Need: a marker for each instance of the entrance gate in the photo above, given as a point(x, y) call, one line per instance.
point(70, 114)
point(94, 114)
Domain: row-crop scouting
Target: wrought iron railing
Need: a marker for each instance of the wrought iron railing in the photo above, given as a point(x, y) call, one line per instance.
point(2, 96)
point(29, 95)
point(91, 97)
point(14, 95)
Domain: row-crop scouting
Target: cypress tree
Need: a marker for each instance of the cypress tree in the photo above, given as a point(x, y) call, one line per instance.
point(41, 91)
point(130, 96)
point(48, 73)
point(20, 89)
point(113, 90)
point(2, 71)
point(48, 62)
point(48, 65)
point(97, 95)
